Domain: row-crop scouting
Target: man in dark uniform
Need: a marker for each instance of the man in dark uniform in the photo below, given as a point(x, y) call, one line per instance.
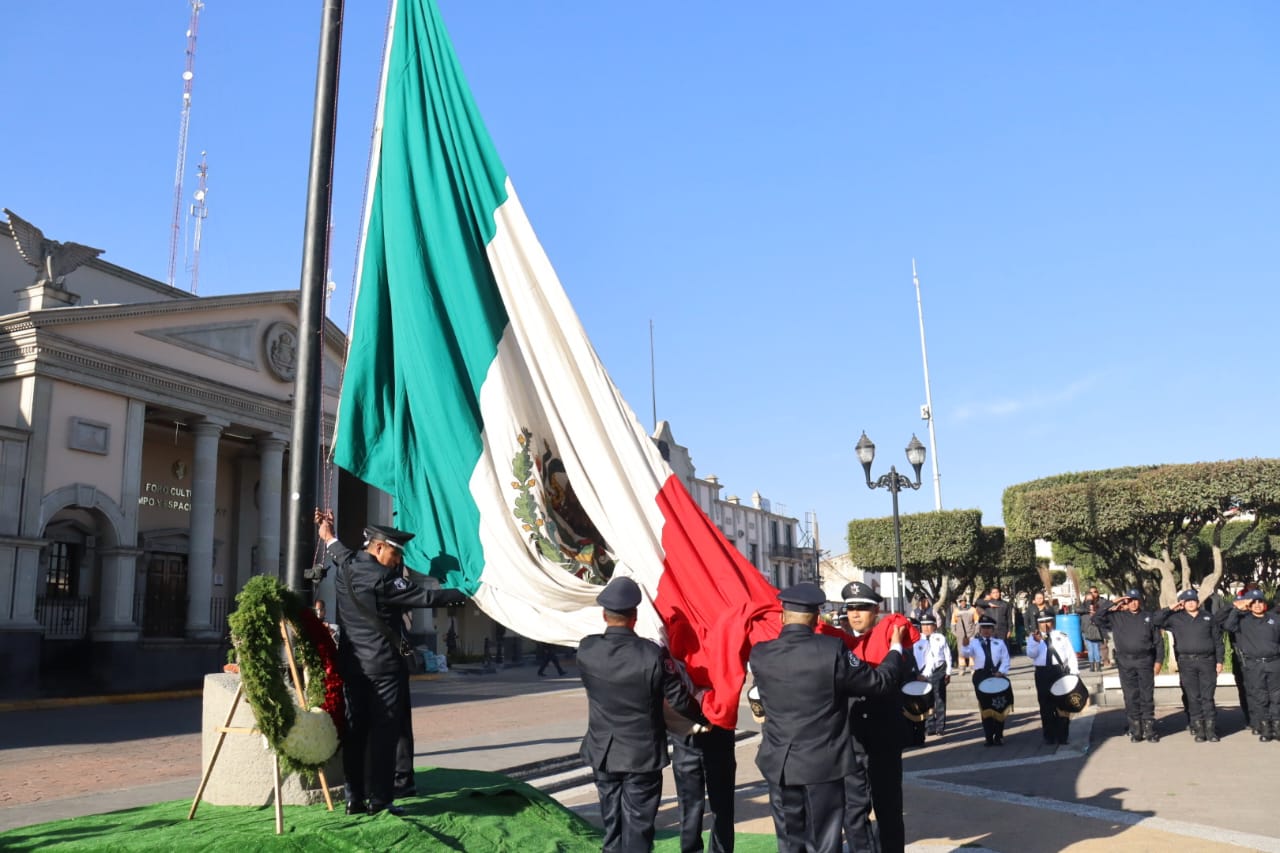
point(1197, 642)
point(805, 680)
point(627, 678)
point(372, 594)
point(1258, 633)
point(703, 765)
point(880, 730)
point(1139, 655)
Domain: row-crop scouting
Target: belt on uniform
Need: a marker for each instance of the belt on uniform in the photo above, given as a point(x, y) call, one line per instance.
point(1267, 659)
point(1195, 656)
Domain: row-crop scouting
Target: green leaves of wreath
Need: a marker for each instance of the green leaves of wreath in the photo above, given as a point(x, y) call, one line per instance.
point(255, 634)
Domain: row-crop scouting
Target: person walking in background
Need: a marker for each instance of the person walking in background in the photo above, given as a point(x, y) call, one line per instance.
point(964, 626)
point(1139, 656)
point(627, 679)
point(546, 657)
point(1197, 642)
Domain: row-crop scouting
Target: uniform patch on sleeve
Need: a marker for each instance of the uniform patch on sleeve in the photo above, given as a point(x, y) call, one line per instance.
point(400, 584)
point(854, 660)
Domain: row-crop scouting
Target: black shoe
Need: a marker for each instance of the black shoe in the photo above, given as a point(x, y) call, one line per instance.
point(389, 808)
point(989, 742)
point(402, 792)
point(1210, 732)
point(999, 741)
point(354, 807)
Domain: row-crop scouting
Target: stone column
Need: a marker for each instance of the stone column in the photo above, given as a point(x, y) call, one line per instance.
point(115, 613)
point(270, 483)
point(204, 482)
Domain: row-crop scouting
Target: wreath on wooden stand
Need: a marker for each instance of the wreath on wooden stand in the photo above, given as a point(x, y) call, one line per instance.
point(303, 738)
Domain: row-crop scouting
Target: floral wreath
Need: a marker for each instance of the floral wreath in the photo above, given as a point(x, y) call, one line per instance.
point(304, 740)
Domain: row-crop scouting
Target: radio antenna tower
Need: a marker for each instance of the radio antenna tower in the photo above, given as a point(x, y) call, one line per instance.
point(199, 212)
point(188, 75)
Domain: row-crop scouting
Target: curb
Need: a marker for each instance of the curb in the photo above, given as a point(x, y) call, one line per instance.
point(111, 699)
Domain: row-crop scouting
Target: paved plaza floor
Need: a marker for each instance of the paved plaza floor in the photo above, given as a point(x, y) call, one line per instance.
point(1099, 792)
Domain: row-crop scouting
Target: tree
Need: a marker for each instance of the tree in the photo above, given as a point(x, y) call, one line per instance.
point(1143, 524)
point(944, 552)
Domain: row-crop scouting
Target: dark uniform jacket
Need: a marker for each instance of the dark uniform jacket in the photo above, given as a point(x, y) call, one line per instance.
point(1192, 635)
point(385, 593)
point(1255, 636)
point(627, 678)
point(1134, 635)
point(805, 681)
point(999, 610)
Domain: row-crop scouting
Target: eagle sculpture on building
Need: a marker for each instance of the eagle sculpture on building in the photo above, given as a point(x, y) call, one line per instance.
point(52, 260)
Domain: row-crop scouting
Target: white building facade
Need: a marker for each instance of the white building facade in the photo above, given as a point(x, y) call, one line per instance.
point(143, 442)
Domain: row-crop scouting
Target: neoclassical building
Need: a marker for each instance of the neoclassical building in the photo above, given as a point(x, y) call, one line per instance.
point(143, 439)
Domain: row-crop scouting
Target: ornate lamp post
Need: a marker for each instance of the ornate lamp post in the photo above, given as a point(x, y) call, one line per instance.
point(894, 482)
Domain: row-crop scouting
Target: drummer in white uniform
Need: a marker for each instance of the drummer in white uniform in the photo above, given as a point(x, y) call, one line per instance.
point(991, 664)
point(1052, 653)
point(933, 659)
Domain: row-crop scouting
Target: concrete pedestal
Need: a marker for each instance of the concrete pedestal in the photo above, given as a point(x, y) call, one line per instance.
point(243, 774)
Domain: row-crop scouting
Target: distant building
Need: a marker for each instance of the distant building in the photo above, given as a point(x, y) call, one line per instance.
point(773, 542)
point(143, 438)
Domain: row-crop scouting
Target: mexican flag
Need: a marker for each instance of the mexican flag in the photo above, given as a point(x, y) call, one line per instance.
point(472, 395)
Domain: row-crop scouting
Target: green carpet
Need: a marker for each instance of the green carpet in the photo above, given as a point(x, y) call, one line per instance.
point(463, 810)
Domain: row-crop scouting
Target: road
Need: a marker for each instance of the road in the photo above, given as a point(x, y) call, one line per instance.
point(1099, 792)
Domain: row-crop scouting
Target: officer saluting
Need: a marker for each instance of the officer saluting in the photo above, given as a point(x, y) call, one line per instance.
point(372, 595)
point(1197, 641)
point(1258, 634)
point(805, 680)
point(627, 678)
point(1139, 654)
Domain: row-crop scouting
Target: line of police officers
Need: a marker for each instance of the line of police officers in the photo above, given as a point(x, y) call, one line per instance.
point(1197, 635)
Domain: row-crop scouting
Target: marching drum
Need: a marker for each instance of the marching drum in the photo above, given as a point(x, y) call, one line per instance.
point(1070, 694)
point(917, 700)
point(995, 697)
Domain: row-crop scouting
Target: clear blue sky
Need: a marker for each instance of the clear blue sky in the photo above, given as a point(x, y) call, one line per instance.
point(1090, 191)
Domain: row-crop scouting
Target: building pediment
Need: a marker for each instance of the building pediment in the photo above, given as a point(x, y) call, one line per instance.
point(232, 341)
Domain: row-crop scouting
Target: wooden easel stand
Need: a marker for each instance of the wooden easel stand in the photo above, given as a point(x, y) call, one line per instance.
point(226, 728)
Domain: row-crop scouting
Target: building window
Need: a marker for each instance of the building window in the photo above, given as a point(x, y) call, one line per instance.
point(754, 554)
point(61, 582)
point(773, 533)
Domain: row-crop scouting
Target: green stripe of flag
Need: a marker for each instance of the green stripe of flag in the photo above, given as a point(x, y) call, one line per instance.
point(428, 315)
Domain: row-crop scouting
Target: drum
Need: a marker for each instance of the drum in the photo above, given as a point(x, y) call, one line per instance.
point(1070, 694)
point(917, 700)
point(995, 698)
point(757, 707)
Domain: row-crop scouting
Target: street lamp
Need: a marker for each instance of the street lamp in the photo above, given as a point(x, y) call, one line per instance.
point(894, 482)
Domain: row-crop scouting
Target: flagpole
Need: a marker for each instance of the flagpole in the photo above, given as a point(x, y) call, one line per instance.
point(927, 411)
point(304, 447)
